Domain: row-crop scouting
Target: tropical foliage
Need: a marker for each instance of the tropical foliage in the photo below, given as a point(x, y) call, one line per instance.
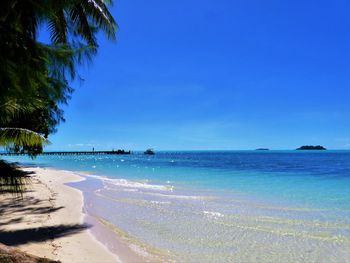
point(35, 76)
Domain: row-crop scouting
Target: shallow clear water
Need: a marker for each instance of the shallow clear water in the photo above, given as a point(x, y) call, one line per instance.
point(241, 206)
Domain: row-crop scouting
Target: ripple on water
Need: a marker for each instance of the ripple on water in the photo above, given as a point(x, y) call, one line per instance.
point(192, 227)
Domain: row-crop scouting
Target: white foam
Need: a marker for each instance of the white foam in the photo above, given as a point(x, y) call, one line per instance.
point(139, 250)
point(130, 190)
point(160, 202)
point(132, 184)
point(186, 197)
point(213, 214)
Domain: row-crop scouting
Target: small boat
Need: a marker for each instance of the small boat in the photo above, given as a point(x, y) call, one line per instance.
point(149, 151)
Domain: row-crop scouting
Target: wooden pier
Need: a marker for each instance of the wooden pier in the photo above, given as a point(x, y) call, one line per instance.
point(74, 153)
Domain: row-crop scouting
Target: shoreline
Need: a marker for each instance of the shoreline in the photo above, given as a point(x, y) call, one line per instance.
point(50, 220)
point(169, 224)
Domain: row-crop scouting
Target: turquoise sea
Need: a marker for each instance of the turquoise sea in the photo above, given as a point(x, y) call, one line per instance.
point(221, 206)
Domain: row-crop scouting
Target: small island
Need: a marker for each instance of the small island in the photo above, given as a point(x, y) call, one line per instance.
point(262, 149)
point(149, 152)
point(311, 147)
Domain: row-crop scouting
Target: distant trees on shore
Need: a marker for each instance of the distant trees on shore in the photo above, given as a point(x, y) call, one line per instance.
point(311, 147)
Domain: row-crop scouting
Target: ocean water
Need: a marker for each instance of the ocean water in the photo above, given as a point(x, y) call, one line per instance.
point(220, 206)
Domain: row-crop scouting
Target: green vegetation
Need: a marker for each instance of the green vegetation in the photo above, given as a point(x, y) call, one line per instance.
point(35, 76)
point(311, 147)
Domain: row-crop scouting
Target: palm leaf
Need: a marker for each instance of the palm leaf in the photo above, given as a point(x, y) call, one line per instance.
point(14, 107)
point(20, 136)
point(98, 12)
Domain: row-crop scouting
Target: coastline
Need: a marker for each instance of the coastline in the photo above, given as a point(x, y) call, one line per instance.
point(166, 221)
point(49, 221)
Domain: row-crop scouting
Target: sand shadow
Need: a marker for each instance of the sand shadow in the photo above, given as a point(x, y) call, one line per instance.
point(23, 236)
point(11, 221)
point(25, 206)
point(13, 179)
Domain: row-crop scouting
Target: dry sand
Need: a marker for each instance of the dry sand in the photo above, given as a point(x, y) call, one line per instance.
point(48, 221)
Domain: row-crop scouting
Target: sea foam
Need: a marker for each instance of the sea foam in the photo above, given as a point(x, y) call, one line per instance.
point(131, 184)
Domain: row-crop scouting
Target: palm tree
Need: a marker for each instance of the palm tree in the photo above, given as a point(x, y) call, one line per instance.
point(67, 20)
point(33, 75)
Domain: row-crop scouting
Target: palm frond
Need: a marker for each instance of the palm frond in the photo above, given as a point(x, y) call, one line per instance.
point(13, 107)
point(81, 25)
point(20, 136)
point(34, 77)
point(98, 12)
point(58, 27)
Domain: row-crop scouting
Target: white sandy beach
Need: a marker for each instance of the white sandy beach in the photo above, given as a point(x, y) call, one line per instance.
point(48, 221)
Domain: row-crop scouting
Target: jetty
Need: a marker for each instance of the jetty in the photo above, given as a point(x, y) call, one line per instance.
point(72, 153)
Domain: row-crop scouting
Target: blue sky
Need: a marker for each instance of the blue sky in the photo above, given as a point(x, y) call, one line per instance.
point(216, 75)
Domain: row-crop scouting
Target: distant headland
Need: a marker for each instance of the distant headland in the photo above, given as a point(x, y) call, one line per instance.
point(311, 147)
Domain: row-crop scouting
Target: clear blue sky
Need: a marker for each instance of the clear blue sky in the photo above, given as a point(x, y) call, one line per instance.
point(225, 74)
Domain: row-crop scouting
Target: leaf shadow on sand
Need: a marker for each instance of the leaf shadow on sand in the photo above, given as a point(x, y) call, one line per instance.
point(24, 206)
point(40, 234)
point(14, 210)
